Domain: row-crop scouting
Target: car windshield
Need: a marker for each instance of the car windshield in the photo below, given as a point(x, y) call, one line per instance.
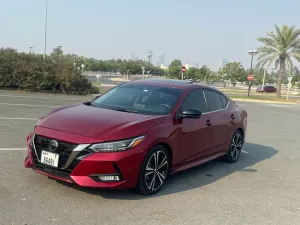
point(140, 98)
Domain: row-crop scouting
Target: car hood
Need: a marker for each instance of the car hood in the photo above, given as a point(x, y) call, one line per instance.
point(98, 123)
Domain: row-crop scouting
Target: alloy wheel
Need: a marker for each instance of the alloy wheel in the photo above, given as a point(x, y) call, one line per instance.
point(156, 170)
point(236, 146)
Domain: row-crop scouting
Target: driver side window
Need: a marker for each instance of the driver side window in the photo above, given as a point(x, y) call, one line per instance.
point(195, 100)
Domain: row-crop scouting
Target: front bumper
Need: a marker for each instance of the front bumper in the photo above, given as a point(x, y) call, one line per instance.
point(87, 167)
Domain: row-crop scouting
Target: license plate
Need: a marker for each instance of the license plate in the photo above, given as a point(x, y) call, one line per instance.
point(49, 158)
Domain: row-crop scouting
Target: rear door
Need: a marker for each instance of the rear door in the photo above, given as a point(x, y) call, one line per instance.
point(195, 135)
point(220, 119)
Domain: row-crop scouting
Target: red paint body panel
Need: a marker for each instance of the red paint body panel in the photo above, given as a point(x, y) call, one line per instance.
point(190, 141)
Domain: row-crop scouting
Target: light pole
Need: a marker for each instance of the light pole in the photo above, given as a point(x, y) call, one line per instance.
point(30, 48)
point(58, 50)
point(252, 53)
point(82, 67)
point(45, 31)
point(149, 57)
point(264, 79)
point(143, 71)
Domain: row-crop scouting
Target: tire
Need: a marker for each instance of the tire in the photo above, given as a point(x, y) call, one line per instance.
point(235, 148)
point(153, 175)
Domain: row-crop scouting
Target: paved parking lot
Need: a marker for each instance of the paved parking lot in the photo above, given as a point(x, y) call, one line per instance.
point(262, 188)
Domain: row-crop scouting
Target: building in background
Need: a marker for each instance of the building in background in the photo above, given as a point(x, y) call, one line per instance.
point(161, 60)
point(224, 62)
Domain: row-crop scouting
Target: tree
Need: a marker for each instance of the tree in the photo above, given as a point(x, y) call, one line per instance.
point(57, 52)
point(234, 72)
point(280, 47)
point(259, 76)
point(175, 69)
point(192, 73)
point(296, 77)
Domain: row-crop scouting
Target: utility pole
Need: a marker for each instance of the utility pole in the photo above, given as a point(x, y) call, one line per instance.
point(252, 53)
point(149, 55)
point(45, 31)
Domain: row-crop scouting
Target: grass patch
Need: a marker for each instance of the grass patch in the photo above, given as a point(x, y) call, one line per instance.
point(265, 98)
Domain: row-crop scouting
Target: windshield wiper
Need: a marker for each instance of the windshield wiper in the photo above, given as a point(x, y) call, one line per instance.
point(126, 110)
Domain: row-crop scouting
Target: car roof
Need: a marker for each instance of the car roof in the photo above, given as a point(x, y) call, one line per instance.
point(181, 84)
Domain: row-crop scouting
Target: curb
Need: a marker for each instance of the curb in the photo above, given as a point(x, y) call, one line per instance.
point(264, 101)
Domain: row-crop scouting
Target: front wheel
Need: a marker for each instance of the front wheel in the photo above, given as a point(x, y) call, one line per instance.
point(154, 171)
point(235, 148)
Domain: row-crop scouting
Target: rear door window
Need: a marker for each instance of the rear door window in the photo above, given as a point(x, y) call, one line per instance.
point(213, 100)
point(224, 100)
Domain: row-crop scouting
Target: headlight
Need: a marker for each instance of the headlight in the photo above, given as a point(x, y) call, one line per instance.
point(117, 146)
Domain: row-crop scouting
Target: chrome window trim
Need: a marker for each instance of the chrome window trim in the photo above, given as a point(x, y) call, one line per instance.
point(205, 101)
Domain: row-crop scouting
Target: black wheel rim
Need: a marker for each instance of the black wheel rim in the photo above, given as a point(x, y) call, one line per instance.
point(236, 146)
point(156, 170)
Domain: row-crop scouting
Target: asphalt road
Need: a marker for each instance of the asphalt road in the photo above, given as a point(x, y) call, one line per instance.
point(262, 188)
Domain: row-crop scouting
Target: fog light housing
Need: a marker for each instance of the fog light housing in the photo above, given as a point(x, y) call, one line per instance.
point(106, 177)
point(109, 178)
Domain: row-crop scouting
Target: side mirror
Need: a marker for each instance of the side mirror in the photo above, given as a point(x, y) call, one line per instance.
point(190, 113)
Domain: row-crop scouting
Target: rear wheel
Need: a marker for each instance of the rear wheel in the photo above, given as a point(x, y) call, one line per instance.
point(235, 148)
point(154, 171)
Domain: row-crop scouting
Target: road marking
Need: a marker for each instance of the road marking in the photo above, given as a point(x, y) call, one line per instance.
point(13, 149)
point(9, 118)
point(245, 152)
point(48, 106)
point(34, 97)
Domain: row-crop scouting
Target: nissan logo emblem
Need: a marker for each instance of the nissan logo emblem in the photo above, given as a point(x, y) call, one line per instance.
point(53, 145)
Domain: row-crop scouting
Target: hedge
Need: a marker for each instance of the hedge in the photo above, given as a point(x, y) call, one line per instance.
point(33, 73)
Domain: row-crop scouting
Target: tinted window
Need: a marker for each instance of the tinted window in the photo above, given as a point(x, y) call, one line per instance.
point(140, 98)
point(224, 100)
point(195, 100)
point(213, 100)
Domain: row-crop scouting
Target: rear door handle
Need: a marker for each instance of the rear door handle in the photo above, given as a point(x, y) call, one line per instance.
point(232, 116)
point(208, 123)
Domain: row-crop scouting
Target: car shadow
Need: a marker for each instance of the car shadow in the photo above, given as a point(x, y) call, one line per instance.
point(195, 177)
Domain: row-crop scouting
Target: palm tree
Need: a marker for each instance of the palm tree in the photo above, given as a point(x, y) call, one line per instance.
point(280, 47)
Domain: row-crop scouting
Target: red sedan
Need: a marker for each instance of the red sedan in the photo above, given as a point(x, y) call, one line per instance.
point(137, 134)
point(267, 89)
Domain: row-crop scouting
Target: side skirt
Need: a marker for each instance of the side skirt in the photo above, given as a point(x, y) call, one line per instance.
point(196, 163)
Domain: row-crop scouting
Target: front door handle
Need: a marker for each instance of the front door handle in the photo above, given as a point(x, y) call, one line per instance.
point(208, 123)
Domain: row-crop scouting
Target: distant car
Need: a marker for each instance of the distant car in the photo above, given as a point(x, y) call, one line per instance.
point(266, 88)
point(136, 134)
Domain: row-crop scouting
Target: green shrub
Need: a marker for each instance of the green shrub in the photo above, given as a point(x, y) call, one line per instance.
point(33, 73)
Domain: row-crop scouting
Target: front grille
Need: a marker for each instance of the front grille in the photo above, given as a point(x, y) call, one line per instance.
point(49, 169)
point(64, 149)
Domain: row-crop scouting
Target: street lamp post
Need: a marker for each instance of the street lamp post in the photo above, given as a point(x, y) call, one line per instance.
point(252, 53)
point(264, 79)
point(45, 30)
point(82, 68)
point(150, 54)
point(30, 48)
point(143, 71)
point(58, 50)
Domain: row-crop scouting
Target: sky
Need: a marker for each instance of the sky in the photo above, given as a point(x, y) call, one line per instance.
point(194, 31)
